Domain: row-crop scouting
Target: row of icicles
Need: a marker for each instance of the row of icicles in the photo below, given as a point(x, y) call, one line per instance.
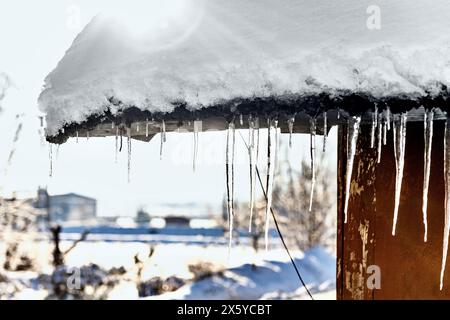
point(381, 123)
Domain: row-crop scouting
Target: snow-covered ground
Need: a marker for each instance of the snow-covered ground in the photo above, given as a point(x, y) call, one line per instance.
point(274, 278)
point(243, 274)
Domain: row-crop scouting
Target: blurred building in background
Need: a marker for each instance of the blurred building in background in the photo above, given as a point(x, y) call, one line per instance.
point(67, 208)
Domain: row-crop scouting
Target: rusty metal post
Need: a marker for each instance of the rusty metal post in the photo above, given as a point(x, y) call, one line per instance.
point(409, 267)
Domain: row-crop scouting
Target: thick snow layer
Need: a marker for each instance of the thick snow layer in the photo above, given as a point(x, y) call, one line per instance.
point(268, 280)
point(203, 52)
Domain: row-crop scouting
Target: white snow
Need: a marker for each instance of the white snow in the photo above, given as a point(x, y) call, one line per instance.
point(273, 277)
point(268, 280)
point(209, 51)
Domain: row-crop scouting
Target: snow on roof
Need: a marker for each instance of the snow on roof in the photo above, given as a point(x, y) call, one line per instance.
point(202, 53)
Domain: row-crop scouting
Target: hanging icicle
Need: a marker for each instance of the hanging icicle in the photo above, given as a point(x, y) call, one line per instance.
point(380, 138)
point(312, 140)
point(399, 153)
point(447, 200)
point(146, 128)
point(253, 162)
point(112, 124)
point(275, 125)
point(229, 166)
point(290, 124)
point(87, 135)
point(77, 137)
point(325, 131)
point(269, 179)
point(374, 126)
point(428, 138)
point(241, 119)
point(197, 128)
point(163, 138)
point(388, 118)
point(117, 144)
point(50, 156)
point(352, 139)
point(129, 153)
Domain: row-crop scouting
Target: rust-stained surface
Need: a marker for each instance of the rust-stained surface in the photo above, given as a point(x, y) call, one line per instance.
point(409, 268)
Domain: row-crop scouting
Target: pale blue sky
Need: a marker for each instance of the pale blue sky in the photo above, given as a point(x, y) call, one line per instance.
point(34, 36)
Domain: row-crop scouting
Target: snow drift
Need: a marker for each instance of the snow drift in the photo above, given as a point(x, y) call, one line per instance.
point(203, 53)
point(270, 279)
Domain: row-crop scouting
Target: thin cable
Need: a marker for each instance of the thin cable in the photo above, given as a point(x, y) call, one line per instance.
point(278, 229)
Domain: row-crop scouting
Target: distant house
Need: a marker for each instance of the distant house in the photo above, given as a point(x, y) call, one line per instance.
point(177, 222)
point(66, 208)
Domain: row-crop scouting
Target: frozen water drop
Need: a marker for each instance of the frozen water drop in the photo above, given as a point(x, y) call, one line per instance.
point(428, 138)
point(163, 139)
point(290, 123)
point(129, 153)
point(269, 180)
point(230, 179)
point(399, 153)
point(325, 131)
point(50, 156)
point(352, 139)
point(197, 129)
point(447, 200)
point(380, 138)
point(253, 162)
point(312, 135)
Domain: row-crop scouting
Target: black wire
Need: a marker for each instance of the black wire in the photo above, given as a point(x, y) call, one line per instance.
point(279, 231)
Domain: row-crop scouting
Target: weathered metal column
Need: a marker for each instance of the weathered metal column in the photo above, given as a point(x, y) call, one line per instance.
point(409, 267)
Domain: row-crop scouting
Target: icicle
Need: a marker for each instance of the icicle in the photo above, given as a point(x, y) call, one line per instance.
point(312, 133)
point(197, 128)
point(269, 181)
point(112, 125)
point(87, 135)
point(338, 113)
point(384, 133)
point(163, 138)
point(399, 152)
point(50, 155)
point(77, 137)
point(428, 138)
point(137, 127)
point(325, 131)
point(129, 152)
point(388, 118)
point(375, 123)
point(275, 124)
point(352, 139)
point(146, 128)
point(230, 179)
point(241, 119)
point(117, 144)
point(253, 161)
point(447, 200)
point(380, 138)
point(290, 124)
